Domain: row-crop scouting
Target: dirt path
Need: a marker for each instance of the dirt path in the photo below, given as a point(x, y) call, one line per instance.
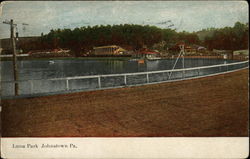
point(212, 106)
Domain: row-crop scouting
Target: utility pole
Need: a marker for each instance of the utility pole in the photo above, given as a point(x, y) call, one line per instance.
point(183, 58)
point(14, 59)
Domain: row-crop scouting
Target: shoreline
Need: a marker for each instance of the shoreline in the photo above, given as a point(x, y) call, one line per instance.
point(121, 58)
point(66, 58)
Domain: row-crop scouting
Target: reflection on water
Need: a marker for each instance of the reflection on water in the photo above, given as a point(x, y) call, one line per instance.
point(43, 69)
point(115, 65)
point(151, 65)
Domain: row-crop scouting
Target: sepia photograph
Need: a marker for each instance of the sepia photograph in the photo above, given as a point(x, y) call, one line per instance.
point(78, 72)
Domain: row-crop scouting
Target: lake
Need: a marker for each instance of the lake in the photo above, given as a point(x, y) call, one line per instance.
point(42, 69)
point(35, 76)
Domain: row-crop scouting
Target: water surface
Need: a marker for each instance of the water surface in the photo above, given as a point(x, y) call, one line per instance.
point(43, 69)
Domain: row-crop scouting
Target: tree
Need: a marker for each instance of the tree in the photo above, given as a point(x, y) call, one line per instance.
point(229, 38)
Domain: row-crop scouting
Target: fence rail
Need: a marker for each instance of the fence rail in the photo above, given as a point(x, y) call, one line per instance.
point(93, 82)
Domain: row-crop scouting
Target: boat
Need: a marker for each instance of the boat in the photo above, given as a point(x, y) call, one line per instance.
point(138, 60)
point(133, 59)
point(148, 55)
point(153, 58)
point(51, 62)
point(141, 61)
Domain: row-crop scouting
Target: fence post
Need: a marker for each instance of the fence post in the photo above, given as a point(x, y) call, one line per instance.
point(31, 86)
point(67, 84)
point(125, 80)
point(99, 82)
point(147, 78)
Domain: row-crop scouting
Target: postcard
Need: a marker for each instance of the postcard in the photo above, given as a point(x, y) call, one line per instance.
point(124, 79)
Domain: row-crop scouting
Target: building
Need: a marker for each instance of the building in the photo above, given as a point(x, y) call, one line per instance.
point(109, 50)
point(147, 54)
point(189, 49)
point(21, 43)
point(198, 48)
point(241, 54)
point(226, 54)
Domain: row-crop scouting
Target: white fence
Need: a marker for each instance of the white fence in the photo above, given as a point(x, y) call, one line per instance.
point(94, 82)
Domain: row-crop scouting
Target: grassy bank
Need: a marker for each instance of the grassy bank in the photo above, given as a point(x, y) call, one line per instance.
point(205, 107)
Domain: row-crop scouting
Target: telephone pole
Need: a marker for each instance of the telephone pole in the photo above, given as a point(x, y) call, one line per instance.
point(14, 59)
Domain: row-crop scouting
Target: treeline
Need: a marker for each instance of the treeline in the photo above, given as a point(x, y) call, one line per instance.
point(81, 40)
point(134, 36)
point(228, 38)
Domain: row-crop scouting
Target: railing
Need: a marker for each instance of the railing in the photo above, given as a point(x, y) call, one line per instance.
point(94, 82)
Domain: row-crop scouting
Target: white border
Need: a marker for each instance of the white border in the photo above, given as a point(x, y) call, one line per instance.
point(150, 147)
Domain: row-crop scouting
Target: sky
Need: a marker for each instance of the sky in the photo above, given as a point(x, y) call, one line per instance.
point(42, 16)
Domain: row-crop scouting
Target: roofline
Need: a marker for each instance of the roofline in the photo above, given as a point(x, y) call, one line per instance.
point(109, 46)
point(148, 52)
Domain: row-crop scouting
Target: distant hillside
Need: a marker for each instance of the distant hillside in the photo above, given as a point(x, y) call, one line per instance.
point(226, 38)
point(205, 33)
